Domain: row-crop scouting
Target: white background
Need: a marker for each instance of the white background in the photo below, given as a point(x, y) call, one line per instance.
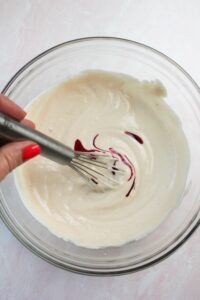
point(26, 29)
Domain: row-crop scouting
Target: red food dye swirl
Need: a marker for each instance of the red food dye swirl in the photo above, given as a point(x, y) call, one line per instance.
point(78, 146)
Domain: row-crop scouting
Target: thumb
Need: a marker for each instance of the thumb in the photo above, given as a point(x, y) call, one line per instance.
point(14, 154)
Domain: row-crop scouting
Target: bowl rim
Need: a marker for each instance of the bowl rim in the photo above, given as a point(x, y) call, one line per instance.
point(83, 270)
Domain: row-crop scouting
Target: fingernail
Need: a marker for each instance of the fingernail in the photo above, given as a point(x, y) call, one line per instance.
point(31, 151)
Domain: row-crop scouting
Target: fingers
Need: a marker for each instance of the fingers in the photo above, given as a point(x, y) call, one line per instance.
point(28, 123)
point(11, 109)
point(14, 154)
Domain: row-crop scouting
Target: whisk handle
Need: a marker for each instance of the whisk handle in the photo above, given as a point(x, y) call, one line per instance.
point(50, 148)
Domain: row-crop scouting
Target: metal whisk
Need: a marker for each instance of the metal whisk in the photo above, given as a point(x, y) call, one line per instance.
point(100, 170)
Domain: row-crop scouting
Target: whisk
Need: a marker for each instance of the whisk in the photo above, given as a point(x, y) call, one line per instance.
point(99, 169)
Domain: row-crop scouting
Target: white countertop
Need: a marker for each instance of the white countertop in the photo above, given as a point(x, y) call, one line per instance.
point(26, 29)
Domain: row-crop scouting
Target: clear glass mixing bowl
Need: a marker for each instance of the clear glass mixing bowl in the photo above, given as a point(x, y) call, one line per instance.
point(142, 62)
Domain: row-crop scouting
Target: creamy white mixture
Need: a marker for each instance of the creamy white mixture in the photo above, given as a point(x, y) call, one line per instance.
point(107, 104)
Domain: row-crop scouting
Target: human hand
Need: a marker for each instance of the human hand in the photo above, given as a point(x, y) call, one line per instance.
point(13, 154)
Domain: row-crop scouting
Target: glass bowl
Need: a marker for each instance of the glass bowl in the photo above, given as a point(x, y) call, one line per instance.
point(142, 62)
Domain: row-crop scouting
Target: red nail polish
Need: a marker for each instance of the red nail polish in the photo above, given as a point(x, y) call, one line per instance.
point(31, 151)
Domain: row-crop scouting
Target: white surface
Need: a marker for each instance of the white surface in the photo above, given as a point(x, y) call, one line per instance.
point(26, 29)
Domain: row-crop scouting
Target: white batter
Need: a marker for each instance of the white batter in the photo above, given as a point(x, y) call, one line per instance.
point(109, 105)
